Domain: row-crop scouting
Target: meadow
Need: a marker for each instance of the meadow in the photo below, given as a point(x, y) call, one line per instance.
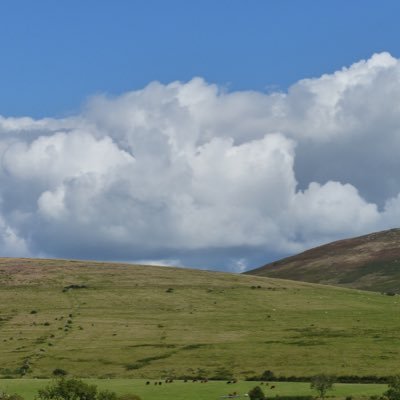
point(197, 391)
point(99, 320)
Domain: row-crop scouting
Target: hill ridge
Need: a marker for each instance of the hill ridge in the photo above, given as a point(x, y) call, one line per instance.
point(369, 262)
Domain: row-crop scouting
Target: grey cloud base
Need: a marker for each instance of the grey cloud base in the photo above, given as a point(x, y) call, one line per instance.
point(188, 174)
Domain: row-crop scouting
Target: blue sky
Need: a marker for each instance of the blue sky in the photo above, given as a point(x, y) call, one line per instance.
point(57, 53)
point(213, 134)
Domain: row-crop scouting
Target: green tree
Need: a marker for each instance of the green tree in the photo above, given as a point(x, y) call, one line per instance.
point(393, 393)
point(256, 393)
point(68, 389)
point(267, 376)
point(322, 383)
point(75, 389)
point(107, 395)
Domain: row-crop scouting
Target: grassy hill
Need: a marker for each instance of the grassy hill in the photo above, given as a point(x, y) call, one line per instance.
point(370, 262)
point(105, 320)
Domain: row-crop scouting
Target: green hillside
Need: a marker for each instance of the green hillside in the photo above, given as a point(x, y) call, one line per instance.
point(369, 262)
point(104, 320)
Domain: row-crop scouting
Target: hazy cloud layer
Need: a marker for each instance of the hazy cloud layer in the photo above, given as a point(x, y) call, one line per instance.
point(190, 172)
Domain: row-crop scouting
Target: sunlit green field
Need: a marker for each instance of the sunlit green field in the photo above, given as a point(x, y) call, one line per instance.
point(153, 322)
point(195, 391)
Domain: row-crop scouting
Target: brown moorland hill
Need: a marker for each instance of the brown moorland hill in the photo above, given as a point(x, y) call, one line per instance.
point(369, 262)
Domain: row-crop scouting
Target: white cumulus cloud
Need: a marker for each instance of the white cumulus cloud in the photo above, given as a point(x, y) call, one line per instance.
point(192, 172)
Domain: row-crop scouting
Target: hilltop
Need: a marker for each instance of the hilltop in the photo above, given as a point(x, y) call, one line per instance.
point(369, 262)
point(115, 320)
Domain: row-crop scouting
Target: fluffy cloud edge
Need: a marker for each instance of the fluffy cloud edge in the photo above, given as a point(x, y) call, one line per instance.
point(189, 167)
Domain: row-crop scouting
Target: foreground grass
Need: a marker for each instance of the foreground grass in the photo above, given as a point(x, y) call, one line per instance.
point(195, 391)
point(153, 322)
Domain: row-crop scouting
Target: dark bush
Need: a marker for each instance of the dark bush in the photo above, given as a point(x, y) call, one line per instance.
point(59, 372)
point(256, 393)
point(66, 389)
point(393, 393)
point(339, 379)
point(75, 287)
point(133, 366)
point(362, 379)
point(75, 389)
point(267, 376)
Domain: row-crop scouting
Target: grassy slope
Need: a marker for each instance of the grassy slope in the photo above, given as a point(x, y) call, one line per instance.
point(370, 262)
point(210, 320)
point(195, 391)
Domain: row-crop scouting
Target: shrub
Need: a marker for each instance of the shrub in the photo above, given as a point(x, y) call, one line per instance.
point(24, 368)
point(66, 389)
point(107, 395)
point(59, 372)
point(74, 287)
point(6, 396)
point(132, 366)
point(394, 388)
point(322, 383)
point(256, 393)
point(75, 389)
point(362, 379)
point(267, 376)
